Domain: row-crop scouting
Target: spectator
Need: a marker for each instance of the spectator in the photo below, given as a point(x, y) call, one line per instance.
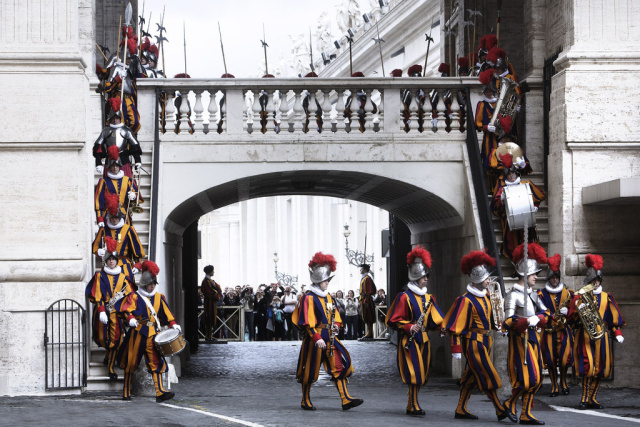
point(233, 300)
point(340, 307)
point(289, 302)
point(262, 306)
point(248, 304)
point(278, 319)
point(380, 300)
point(351, 314)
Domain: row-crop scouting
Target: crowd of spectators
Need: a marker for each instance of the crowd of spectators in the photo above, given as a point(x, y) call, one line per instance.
point(267, 312)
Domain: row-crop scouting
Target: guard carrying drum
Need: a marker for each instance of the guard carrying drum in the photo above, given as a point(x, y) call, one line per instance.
point(470, 320)
point(146, 311)
point(596, 313)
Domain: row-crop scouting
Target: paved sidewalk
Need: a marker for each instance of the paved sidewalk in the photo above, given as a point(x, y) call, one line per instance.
point(254, 384)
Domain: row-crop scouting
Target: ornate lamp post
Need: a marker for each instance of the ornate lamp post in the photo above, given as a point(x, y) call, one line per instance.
point(355, 257)
point(283, 278)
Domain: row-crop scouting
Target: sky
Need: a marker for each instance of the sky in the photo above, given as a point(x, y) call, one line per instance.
point(241, 25)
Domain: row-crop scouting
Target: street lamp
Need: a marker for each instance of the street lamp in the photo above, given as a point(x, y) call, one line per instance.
point(356, 258)
point(283, 278)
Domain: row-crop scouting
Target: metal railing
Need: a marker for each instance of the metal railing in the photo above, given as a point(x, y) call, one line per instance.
point(380, 329)
point(65, 343)
point(230, 320)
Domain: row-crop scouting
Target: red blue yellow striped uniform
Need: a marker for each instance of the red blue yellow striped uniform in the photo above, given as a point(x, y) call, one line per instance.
point(129, 248)
point(484, 112)
point(311, 316)
point(129, 109)
point(121, 187)
point(139, 341)
point(557, 340)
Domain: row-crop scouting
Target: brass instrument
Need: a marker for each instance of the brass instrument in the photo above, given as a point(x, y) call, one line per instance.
point(497, 302)
point(332, 336)
point(560, 319)
point(507, 105)
point(420, 323)
point(510, 148)
point(589, 313)
point(136, 203)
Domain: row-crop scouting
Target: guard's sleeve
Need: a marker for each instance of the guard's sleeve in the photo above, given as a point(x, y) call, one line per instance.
point(434, 316)
point(399, 315)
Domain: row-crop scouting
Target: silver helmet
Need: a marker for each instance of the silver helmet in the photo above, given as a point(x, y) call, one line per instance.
point(419, 262)
point(532, 267)
point(417, 270)
point(146, 278)
point(594, 265)
point(320, 273)
point(111, 249)
point(150, 272)
point(592, 273)
point(479, 273)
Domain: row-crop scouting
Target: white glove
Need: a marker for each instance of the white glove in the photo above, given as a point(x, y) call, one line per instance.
point(434, 122)
point(177, 328)
point(101, 252)
point(101, 224)
point(518, 108)
point(505, 333)
point(132, 195)
point(137, 165)
point(620, 338)
point(535, 209)
point(100, 169)
point(104, 318)
point(456, 356)
point(503, 196)
point(133, 323)
point(533, 320)
point(564, 311)
point(491, 128)
point(134, 270)
point(520, 162)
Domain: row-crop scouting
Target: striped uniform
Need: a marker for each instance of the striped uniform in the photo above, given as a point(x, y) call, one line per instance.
point(413, 363)
point(140, 342)
point(311, 316)
point(557, 341)
point(484, 112)
point(121, 187)
point(511, 239)
point(100, 290)
point(469, 321)
point(367, 291)
point(526, 379)
point(129, 248)
point(212, 293)
point(593, 359)
point(129, 109)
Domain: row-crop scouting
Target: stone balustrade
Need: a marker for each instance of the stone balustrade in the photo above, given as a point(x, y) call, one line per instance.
point(353, 106)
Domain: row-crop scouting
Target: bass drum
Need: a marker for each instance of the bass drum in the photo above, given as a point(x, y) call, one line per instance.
point(519, 207)
point(170, 342)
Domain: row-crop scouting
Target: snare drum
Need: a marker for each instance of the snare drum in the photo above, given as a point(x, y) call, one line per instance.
point(519, 207)
point(170, 342)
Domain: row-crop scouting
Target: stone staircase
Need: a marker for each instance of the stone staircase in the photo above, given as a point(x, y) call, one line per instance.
point(98, 374)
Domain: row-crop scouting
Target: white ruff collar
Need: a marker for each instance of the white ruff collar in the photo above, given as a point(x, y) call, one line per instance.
point(118, 226)
point(147, 294)
point(598, 290)
point(114, 271)
point(519, 288)
point(504, 74)
point(516, 182)
point(316, 290)
point(554, 290)
point(415, 289)
point(476, 292)
point(118, 126)
point(491, 100)
point(115, 176)
point(207, 276)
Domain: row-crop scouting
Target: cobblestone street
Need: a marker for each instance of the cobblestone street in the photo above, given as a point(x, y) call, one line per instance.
point(254, 384)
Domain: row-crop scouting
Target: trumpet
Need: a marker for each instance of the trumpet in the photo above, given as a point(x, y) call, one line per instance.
point(332, 335)
point(135, 205)
point(560, 319)
point(497, 302)
point(420, 323)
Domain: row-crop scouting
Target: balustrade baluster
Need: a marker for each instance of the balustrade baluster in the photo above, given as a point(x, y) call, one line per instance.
point(340, 120)
point(414, 108)
point(257, 112)
point(198, 109)
point(213, 110)
point(299, 114)
point(455, 112)
point(442, 111)
point(223, 111)
point(376, 99)
point(368, 110)
point(326, 110)
point(270, 112)
point(169, 114)
point(184, 113)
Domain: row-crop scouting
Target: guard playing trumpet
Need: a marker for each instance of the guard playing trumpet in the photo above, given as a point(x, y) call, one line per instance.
point(411, 314)
point(470, 321)
point(313, 316)
point(146, 311)
point(595, 312)
point(525, 314)
point(557, 338)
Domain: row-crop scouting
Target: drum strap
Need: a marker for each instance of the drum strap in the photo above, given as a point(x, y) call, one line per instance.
point(152, 310)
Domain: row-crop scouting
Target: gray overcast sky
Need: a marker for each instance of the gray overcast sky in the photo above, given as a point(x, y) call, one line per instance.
point(241, 22)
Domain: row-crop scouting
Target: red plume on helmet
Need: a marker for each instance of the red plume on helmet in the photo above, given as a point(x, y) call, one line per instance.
point(554, 262)
point(146, 44)
point(536, 252)
point(419, 252)
point(115, 103)
point(414, 69)
point(475, 258)
point(127, 31)
point(490, 41)
point(507, 160)
point(485, 77)
point(311, 74)
point(506, 122)
point(594, 261)
point(444, 68)
point(111, 201)
point(463, 62)
point(151, 267)
point(357, 74)
point(154, 50)
point(227, 76)
point(323, 259)
point(113, 152)
point(182, 76)
point(111, 244)
point(496, 53)
point(396, 73)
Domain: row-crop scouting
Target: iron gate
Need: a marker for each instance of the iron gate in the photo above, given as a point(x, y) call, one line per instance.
point(65, 343)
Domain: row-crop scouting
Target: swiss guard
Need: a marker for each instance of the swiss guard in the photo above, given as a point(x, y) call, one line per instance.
point(212, 293)
point(114, 183)
point(470, 321)
point(317, 315)
point(146, 311)
point(412, 313)
point(592, 348)
point(525, 315)
point(149, 60)
point(557, 338)
point(106, 287)
point(367, 292)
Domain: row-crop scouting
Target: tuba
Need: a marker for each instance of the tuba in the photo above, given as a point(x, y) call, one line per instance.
point(507, 105)
point(497, 302)
point(589, 313)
